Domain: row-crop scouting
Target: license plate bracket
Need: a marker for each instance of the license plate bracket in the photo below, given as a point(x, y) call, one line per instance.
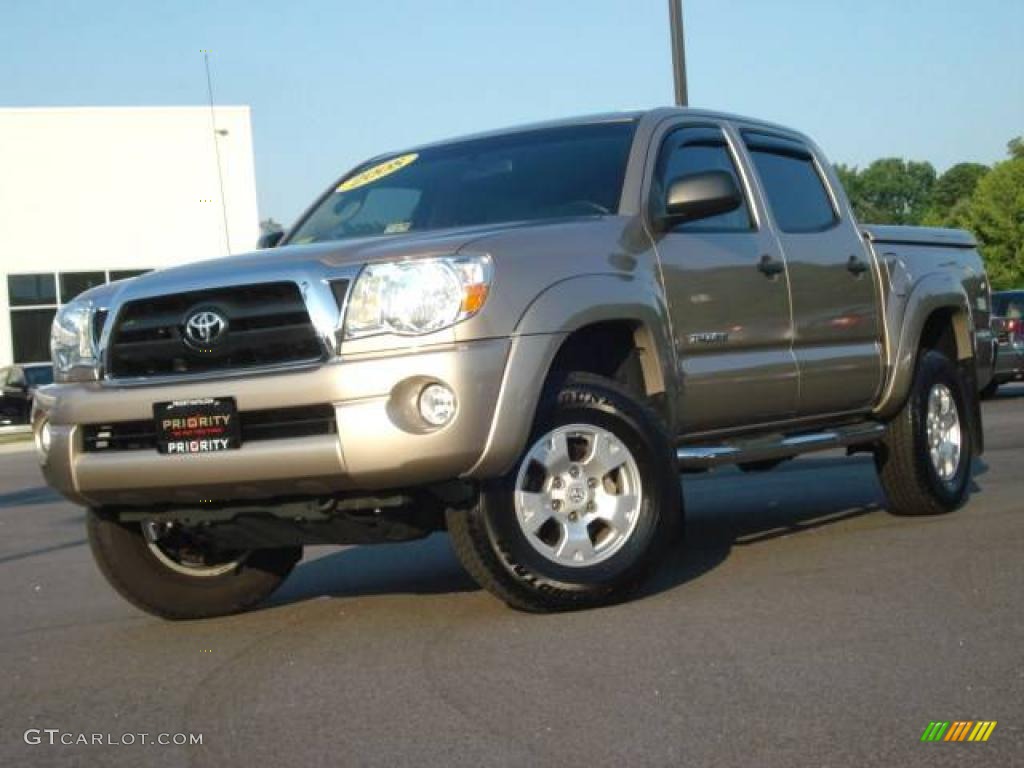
point(209, 425)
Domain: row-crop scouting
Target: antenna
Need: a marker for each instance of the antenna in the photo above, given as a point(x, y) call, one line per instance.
point(216, 151)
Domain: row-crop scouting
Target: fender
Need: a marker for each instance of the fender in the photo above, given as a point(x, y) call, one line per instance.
point(557, 311)
point(577, 302)
point(933, 292)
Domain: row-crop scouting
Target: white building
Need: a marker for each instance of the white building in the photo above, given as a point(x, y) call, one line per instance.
point(94, 194)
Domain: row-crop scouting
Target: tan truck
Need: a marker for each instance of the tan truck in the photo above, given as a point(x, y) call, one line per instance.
point(522, 338)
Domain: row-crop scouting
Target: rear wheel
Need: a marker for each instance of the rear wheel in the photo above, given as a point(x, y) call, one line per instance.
point(924, 461)
point(589, 510)
point(161, 569)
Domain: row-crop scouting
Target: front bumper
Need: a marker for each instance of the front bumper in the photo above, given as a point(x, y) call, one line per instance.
point(377, 446)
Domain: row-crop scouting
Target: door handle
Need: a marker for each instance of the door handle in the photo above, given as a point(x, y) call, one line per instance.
point(856, 265)
point(770, 267)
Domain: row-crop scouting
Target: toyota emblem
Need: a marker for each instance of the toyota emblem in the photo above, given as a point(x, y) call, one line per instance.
point(204, 327)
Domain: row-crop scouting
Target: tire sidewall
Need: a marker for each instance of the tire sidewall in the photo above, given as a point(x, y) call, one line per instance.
point(938, 369)
point(593, 404)
point(125, 559)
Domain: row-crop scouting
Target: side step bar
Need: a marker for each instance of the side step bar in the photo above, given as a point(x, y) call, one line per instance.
point(776, 446)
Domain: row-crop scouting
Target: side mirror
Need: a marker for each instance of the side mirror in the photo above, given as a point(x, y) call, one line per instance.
point(270, 239)
point(699, 196)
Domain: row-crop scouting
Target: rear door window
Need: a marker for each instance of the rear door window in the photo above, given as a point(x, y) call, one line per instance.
point(796, 192)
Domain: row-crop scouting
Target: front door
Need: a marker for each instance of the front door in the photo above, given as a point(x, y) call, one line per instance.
point(725, 285)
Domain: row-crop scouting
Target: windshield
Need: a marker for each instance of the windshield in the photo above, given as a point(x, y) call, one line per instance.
point(39, 376)
point(570, 171)
point(1009, 305)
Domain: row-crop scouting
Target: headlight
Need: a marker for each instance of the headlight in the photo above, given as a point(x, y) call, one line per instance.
point(71, 337)
point(417, 296)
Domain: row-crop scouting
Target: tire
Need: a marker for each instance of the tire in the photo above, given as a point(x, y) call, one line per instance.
point(126, 558)
point(913, 483)
point(528, 573)
point(990, 390)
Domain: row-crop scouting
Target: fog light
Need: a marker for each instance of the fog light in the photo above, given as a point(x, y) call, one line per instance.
point(437, 404)
point(43, 438)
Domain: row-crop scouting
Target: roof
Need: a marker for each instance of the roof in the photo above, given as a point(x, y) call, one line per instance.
point(634, 115)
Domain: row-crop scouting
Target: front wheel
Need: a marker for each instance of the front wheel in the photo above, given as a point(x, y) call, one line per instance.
point(590, 509)
point(924, 461)
point(164, 571)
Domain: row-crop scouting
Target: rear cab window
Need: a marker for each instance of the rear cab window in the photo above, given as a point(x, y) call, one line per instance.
point(792, 182)
point(1009, 305)
point(39, 376)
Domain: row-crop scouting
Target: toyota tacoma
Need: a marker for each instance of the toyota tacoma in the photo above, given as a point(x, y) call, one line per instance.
point(522, 338)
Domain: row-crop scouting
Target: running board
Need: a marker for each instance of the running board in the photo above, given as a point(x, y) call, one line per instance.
point(776, 446)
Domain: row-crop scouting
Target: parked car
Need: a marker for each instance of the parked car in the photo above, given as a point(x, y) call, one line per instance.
point(521, 338)
point(20, 383)
point(1008, 328)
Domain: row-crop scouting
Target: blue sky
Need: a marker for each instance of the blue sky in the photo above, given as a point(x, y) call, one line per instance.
point(334, 81)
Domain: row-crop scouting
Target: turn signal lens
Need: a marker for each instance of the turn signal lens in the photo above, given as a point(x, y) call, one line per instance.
point(473, 297)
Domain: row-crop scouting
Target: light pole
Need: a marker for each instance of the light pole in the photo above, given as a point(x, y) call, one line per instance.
point(216, 152)
point(675, 14)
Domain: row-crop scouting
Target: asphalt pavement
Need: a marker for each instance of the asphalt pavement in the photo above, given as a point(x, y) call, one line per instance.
point(802, 625)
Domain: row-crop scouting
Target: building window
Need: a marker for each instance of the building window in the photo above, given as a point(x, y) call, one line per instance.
point(74, 283)
point(33, 301)
point(124, 274)
point(30, 334)
point(31, 290)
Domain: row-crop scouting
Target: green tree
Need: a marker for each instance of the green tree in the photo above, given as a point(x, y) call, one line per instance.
point(849, 177)
point(995, 214)
point(952, 193)
point(269, 225)
point(892, 191)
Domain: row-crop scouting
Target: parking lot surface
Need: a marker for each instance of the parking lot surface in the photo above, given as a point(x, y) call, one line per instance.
point(801, 625)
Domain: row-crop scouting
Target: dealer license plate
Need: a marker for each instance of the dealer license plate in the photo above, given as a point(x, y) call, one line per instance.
point(197, 426)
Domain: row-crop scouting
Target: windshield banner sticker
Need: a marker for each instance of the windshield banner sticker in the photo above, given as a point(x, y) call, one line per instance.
point(378, 171)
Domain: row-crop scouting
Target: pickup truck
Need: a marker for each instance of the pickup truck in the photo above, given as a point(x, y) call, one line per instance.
point(523, 338)
point(1008, 331)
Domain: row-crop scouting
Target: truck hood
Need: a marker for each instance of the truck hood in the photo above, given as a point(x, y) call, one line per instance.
point(290, 261)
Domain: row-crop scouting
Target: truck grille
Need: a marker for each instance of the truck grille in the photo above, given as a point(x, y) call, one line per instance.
point(259, 325)
point(271, 424)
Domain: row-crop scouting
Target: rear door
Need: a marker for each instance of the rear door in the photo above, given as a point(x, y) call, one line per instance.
point(730, 314)
point(837, 334)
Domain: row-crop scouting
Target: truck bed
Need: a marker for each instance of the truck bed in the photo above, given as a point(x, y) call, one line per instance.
point(949, 238)
point(910, 254)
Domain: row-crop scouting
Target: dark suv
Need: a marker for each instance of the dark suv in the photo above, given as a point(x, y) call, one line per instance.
point(1008, 328)
point(19, 385)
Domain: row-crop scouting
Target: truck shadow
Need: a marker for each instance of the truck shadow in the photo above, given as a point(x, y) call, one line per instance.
point(1008, 392)
point(28, 497)
point(726, 509)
